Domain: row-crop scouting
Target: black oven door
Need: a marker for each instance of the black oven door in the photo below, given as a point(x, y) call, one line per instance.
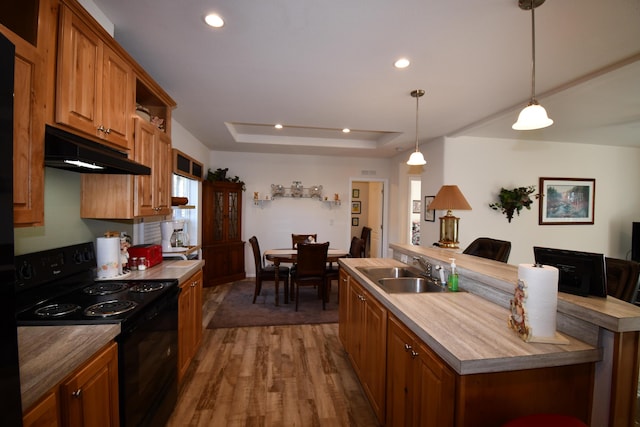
point(148, 361)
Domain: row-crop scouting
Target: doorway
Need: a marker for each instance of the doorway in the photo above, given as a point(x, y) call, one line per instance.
point(414, 210)
point(369, 209)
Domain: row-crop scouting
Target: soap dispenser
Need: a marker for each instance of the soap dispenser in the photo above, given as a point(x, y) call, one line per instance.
point(453, 277)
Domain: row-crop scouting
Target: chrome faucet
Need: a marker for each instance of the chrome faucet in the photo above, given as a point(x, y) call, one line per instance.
point(424, 264)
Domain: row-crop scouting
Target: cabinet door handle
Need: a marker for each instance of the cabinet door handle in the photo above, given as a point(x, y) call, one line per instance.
point(107, 131)
point(77, 394)
point(407, 347)
point(414, 354)
point(101, 128)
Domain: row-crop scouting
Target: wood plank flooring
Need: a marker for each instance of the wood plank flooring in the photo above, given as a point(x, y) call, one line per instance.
point(295, 375)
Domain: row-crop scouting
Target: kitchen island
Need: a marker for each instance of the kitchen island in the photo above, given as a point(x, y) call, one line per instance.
point(468, 331)
point(48, 354)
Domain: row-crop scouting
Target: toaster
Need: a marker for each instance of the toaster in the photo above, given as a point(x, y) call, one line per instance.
point(153, 253)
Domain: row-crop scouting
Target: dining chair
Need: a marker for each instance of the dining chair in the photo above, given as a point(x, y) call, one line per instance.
point(302, 238)
point(365, 235)
point(333, 271)
point(311, 268)
point(489, 248)
point(265, 273)
point(622, 279)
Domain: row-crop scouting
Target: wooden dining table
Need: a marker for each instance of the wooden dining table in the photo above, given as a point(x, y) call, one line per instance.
point(290, 256)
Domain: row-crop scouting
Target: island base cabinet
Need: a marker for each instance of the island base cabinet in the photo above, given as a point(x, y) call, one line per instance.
point(494, 398)
point(420, 386)
point(366, 321)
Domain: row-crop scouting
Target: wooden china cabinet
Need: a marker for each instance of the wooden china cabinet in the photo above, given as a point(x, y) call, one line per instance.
point(222, 245)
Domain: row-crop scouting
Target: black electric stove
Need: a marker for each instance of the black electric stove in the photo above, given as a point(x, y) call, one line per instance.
point(57, 287)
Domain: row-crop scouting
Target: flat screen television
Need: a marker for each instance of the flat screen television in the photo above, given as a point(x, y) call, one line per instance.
point(580, 273)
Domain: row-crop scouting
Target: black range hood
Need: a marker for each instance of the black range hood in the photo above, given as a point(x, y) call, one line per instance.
point(64, 150)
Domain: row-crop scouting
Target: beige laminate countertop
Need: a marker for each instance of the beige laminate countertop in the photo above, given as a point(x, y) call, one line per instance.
point(468, 332)
point(609, 313)
point(49, 353)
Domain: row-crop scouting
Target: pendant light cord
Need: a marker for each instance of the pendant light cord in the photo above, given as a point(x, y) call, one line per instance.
point(533, 54)
point(417, 102)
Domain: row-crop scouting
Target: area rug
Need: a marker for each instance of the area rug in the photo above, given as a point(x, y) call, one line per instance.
point(236, 310)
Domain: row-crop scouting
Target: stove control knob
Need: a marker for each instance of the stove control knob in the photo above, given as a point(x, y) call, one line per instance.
point(25, 271)
point(77, 257)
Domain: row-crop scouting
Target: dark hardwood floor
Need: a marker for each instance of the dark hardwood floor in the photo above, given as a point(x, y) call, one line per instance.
point(270, 376)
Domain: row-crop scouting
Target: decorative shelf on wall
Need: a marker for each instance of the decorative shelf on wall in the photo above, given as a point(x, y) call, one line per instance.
point(296, 191)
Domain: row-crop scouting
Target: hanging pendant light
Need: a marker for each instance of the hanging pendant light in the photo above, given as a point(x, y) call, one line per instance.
point(534, 116)
point(416, 158)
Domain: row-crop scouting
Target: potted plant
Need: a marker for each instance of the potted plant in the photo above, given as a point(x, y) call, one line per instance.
point(514, 200)
point(221, 175)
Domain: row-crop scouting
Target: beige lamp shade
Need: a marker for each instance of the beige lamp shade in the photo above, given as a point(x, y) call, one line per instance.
point(448, 198)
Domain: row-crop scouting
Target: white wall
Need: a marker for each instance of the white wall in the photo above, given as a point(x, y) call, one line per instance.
point(276, 220)
point(480, 167)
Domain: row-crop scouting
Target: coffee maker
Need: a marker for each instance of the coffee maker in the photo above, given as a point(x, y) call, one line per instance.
point(174, 235)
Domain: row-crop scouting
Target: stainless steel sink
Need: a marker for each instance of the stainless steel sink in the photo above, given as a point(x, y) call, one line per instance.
point(413, 285)
point(377, 273)
point(402, 279)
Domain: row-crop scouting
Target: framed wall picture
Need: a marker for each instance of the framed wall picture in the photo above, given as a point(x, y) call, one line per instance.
point(567, 201)
point(429, 214)
point(355, 221)
point(415, 206)
point(356, 207)
point(355, 193)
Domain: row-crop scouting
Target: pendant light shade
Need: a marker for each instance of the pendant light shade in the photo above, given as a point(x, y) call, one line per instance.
point(416, 158)
point(533, 116)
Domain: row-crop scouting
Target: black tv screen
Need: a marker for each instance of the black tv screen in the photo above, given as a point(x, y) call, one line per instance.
point(580, 273)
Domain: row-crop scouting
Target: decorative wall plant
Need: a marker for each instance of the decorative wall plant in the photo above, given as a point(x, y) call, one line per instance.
point(514, 200)
point(221, 175)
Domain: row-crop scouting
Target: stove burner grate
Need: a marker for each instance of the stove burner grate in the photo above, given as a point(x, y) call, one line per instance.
point(56, 310)
point(146, 287)
point(104, 288)
point(109, 308)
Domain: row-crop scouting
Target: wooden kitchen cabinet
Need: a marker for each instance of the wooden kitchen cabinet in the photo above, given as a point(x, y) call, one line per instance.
point(189, 321)
point(343, 307)
point(89, 397)
point(45, 413)
point(128, 196)
point(420, 386)
point(365, 323)
point(153, 149)
point(31, 28)
point(95, 88)
point(222, 246)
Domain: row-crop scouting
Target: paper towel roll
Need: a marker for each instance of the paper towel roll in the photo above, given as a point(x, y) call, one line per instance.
point(541, 298)
point(108, 256)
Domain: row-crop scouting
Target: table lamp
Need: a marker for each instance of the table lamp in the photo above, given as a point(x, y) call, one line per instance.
point(448, 198)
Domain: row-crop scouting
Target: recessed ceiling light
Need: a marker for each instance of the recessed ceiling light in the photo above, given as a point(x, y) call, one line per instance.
point(214, 20)
point(402, 63)
point(346, 130)
point(278, 126)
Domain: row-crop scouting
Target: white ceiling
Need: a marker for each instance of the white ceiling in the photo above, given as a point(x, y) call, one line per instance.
point(320, 66)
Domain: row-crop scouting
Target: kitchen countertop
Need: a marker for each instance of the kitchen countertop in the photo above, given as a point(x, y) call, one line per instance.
point(49, 353)
point(468, 332)
point(609, 313)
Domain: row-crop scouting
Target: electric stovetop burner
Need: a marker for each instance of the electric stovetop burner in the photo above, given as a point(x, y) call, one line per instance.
point(105, 288)
point(55, 310)
point(109, 308)
point(146, 287)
